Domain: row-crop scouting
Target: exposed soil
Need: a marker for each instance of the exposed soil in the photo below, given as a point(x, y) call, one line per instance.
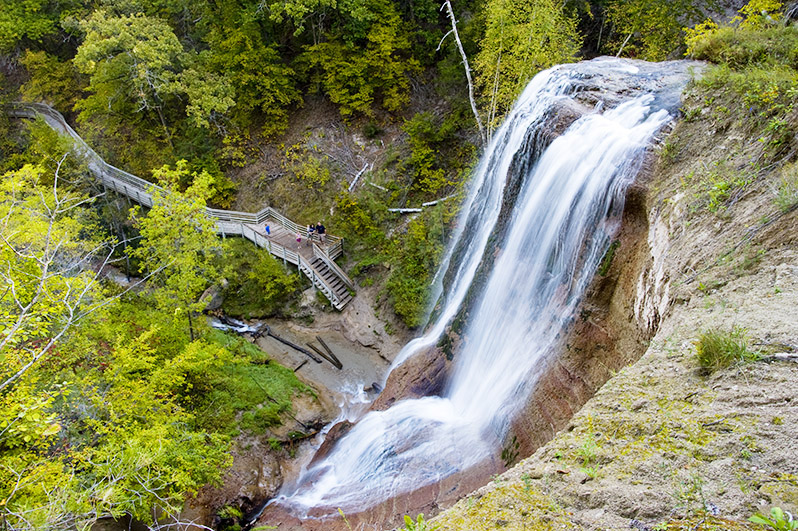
point(662, 441)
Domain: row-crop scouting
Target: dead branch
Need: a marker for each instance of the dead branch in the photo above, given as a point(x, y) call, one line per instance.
point(448, 5)
point(354, 181)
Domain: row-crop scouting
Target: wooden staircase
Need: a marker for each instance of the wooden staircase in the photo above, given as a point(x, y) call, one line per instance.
point(342, 291)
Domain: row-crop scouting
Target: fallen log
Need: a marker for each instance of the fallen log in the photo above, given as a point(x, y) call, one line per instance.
point(336, 364)
point(304, 351)
point(330, 352)
point(354, 181)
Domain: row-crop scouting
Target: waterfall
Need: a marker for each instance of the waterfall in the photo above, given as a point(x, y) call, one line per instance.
point(568, 199)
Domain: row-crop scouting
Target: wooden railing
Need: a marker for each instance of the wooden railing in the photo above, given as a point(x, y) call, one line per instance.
point(137, 189)
point(332, 265)
point(228, 222)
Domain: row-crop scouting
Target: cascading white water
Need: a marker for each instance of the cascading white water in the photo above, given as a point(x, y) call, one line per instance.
point(566, 211)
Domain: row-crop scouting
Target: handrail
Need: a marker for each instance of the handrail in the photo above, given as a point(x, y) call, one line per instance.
point(227, 221)
point(114, 176)
point(318, 253)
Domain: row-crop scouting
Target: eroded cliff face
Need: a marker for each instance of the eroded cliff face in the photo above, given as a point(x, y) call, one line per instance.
point(604, 335)
point(662, 442)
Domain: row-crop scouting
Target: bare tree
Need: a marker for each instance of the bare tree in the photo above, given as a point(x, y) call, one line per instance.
point(447, 4)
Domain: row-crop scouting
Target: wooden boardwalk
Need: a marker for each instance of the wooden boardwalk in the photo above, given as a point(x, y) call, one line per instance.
point(313, 259)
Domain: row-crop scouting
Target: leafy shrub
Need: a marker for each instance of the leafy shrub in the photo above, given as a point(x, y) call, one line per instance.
point(720, 183)
point(763, 40)
point(778, 520)
point(424, 139)
point(413, 263)
point(258, 284)
point(756, 78)
point(371, 130)
point(716, 349)
point(311, 170)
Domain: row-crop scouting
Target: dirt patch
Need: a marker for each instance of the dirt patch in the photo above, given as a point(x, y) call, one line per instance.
point(316, 130)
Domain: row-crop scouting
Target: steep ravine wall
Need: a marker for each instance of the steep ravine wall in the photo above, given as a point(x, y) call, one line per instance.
point(604, 336)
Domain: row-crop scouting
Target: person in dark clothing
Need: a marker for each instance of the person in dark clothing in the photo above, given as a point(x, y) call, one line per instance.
point(321, 231)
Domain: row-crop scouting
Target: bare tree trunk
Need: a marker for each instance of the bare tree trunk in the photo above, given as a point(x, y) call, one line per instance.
point(447, 4)
point(165, 127)
point(624, 45)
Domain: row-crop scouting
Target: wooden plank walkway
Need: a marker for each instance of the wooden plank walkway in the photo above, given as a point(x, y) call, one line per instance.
point(313, 259)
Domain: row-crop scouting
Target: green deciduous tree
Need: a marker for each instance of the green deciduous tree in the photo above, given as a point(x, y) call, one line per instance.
point(210, 95)
point(179, 240)
point(253, 67)
point(25, 19)
point(132, 63)
point(366, 58)
point(522, 37)
point(650, 29)
point(51, 81)
point(45, 282)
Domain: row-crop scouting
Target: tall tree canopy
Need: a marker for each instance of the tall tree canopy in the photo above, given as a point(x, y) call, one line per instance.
point(522, 37)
